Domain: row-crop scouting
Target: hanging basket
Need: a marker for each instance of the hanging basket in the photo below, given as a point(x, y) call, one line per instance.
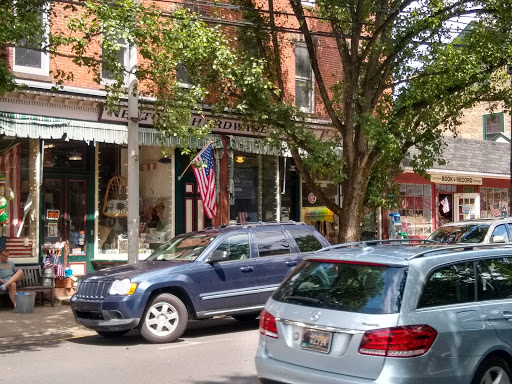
point(115, 203)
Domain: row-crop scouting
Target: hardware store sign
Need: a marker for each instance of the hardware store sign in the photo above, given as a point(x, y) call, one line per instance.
point(456, 179)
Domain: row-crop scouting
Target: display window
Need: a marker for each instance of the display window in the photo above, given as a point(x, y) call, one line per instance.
point(416, 209)
point(493, 202)
point(254, 188)
point(316, 214)
point(19, 180)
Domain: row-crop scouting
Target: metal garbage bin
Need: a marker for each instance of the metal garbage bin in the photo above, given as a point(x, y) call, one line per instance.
point(48, 276)
point(25, 302)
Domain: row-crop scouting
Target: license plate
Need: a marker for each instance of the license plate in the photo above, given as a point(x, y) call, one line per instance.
point(319, 341)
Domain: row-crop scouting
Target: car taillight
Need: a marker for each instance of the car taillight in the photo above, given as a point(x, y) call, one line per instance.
point(406, 341)
point(268, 324)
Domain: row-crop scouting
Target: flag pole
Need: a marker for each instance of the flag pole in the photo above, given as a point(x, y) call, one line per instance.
point(199, 154)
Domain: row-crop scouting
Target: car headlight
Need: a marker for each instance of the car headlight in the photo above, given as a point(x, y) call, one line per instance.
point(122, 287)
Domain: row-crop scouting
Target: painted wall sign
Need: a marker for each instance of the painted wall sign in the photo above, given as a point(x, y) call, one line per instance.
point(52, 214)
point(455, 179)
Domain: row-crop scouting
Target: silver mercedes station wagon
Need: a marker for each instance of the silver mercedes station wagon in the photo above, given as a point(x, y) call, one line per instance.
point(391, 314)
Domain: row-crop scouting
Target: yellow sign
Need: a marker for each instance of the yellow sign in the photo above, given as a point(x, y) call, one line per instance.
point(456, 179)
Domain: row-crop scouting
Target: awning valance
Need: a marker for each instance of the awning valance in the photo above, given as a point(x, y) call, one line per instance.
point(42, 127)
point(253, 145)
point(149, 136)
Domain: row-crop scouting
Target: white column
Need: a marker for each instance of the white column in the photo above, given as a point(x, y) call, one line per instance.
point(133, 160)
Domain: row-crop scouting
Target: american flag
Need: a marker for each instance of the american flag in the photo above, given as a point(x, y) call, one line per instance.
point(242, 217)
point(205, 177)
point(495, 210)
point(16, 247)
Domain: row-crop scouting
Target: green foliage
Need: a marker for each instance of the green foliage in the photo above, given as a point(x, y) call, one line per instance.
point(20, 25)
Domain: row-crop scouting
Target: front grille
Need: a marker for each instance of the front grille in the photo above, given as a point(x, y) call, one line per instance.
point(93, 289)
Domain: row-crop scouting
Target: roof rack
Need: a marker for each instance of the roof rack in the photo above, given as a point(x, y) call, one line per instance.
point(261, 223)
point(367, 243)
point(459, 247)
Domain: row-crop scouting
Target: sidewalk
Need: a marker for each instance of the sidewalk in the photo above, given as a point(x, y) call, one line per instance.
point(46, 323)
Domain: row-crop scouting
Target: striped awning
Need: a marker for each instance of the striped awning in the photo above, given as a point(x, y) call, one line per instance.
point(253, 145)
point(42, 127)
point(150, 137)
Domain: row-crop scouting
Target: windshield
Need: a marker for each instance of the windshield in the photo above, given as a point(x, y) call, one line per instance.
point(344, 286)
point(183, 247)
point(464, 233)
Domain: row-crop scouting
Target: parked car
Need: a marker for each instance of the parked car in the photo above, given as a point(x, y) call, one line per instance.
point(385, 314)
point(229, 270)
point(497, 230)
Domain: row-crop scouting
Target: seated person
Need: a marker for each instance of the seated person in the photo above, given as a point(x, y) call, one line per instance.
point(9, 276)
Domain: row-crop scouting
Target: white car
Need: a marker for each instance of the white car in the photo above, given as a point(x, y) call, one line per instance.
point(481, 231)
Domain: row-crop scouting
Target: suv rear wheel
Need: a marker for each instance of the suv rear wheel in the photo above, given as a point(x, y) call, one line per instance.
point(164, 320)
point(494, 370)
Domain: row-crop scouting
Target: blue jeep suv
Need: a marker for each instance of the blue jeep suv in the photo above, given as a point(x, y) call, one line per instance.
point(228, 270)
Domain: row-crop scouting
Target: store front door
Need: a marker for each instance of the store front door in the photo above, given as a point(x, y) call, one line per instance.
point(68, 209)
point(466, 206)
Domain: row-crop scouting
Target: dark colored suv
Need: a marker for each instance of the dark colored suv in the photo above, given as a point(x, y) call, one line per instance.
point(229, 270)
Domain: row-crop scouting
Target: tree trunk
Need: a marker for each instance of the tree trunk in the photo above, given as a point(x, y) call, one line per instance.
point(352, 211)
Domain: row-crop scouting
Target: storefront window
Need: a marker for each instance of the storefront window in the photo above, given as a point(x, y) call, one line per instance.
point(416, 209)
point(246, 188)
point(18, 185)
point(289, 189)
point(268, 187)
point(493, 202)
point(154, 198)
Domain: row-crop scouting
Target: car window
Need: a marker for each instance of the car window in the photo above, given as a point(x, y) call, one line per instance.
point(305, 240)
point(463, 233)
point(495, 278)
point(361, 288)
point(271, 243)
point(500, 230)
point(450, 284)
point(237, 246)
point(183, 247)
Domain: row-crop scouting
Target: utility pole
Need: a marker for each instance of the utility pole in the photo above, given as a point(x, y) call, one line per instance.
point(133, 159)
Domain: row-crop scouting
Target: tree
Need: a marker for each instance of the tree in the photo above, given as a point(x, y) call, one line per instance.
point(403, 79)
point(21, 25)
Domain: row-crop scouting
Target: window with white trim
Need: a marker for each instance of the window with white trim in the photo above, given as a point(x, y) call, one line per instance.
point(31, 59)
point(123, 54)
point(182, 76)
point(304, 89)
point(493, 125)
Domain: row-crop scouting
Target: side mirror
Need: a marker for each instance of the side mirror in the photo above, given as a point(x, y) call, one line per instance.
point(218, 256)
point(498, 239)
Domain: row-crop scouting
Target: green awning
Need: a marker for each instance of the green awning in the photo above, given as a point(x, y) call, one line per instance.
point(150, 137)
point(253, 145)
point(42, 127)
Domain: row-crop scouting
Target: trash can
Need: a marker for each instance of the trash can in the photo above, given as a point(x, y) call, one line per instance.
point(25, 302)
point(48, 276)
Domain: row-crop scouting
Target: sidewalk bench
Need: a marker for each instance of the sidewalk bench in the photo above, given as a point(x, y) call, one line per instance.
point(33, 281)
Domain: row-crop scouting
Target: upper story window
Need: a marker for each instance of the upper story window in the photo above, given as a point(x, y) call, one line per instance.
point(304, 90)
point(33, 59)
point(493, 126)
point(120, 47)
point(182, 76)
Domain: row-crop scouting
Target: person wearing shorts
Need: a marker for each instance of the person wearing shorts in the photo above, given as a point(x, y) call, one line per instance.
point(9, 276)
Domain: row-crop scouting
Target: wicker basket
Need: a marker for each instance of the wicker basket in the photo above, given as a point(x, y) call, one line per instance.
point(64, 283)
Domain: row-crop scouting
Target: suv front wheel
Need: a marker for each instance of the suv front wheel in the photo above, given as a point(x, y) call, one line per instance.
point(493, 370)
point(164, 320)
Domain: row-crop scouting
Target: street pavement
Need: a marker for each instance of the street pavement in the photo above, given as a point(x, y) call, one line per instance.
point(46, 323)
